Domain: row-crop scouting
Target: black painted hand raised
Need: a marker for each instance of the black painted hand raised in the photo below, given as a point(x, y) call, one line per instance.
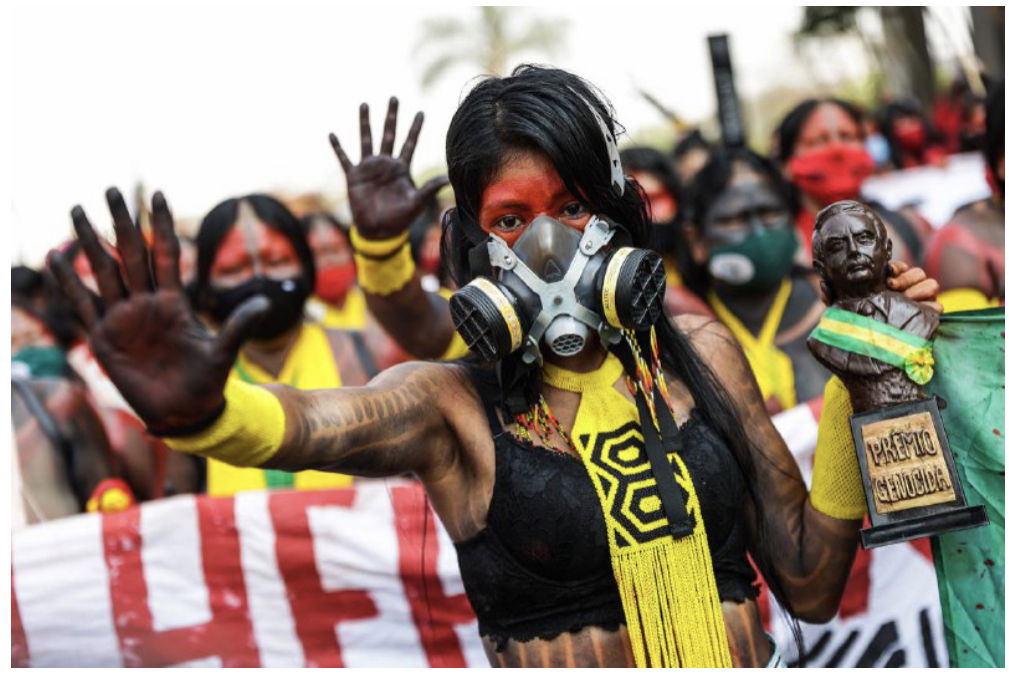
point(169, 368)
point(383, 198)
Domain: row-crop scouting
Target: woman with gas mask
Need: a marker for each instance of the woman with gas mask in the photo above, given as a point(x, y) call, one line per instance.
point(591, 463)
point(252, 246)
point(821, 151)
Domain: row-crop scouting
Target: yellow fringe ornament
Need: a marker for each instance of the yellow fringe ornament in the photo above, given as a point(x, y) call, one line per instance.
point(667, 586)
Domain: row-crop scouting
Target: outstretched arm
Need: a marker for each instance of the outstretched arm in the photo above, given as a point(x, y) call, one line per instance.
point(174, 373)
point(384, 202)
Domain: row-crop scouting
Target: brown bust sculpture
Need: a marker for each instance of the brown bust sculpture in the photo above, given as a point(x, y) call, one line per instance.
point(851, 252)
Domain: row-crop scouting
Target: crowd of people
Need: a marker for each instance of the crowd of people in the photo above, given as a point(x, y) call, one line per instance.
point(134, 362)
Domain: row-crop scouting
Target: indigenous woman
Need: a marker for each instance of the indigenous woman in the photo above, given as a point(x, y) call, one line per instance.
point(653, 171)
point(743, 249)
point(338, 302)
point(602, 501)
point(822, 152)
point(252, 246)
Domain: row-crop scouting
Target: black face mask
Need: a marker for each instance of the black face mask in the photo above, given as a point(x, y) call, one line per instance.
point(287, 303)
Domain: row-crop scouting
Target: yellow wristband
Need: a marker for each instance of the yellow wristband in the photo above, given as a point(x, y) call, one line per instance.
point(385, 276)
point(837, 483)
point(248, 432)
point(379, 249)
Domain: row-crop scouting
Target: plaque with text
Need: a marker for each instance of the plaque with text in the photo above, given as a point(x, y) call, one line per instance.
point(912, 488)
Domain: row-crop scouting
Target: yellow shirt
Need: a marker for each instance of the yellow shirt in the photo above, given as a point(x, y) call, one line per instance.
point(308, 366)
point(353, 315)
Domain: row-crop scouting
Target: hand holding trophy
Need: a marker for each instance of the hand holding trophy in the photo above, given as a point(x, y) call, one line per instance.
point(878, 342)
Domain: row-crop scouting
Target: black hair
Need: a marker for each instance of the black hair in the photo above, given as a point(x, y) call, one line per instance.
point(708, 184)
point(693, 140)
point(306, 222)
point(905, 108)
point(994, 130)
point(36, 292)
point(791, 125)
point(547, 110)
point(219, 222)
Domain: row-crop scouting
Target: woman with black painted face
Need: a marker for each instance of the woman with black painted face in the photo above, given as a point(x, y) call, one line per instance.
point(570, 475)
point(253, 246)
point(743, 248)
point(822, 152)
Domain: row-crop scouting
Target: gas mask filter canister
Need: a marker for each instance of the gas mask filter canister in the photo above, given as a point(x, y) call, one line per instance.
point(558, 285)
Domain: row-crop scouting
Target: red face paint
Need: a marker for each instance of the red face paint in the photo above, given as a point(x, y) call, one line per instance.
point(252, 248)
point(910, 133)
point(662, 205)
point(527, 186)
point(828, 124)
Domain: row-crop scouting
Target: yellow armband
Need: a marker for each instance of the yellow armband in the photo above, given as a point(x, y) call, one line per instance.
point(248, 432)
point(383, 266)
point(837, 483)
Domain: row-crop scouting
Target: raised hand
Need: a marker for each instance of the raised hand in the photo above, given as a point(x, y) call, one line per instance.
point(383, 197)
point(169, 368)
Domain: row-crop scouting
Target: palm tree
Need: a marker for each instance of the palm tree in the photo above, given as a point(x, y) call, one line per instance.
point(490, 42)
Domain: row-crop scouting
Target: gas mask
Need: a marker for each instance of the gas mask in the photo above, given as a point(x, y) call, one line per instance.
point(558, 285)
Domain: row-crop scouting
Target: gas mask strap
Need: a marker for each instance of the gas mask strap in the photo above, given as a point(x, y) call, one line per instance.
point(673, 504)
point(479, 260)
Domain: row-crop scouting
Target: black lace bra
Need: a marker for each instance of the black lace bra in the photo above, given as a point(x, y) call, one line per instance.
point(541, 566)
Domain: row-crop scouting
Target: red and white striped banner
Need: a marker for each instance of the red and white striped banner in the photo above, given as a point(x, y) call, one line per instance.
point(358, 577)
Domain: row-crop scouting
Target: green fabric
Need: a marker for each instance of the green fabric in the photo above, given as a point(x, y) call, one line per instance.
point(42, 361)
point(970, 564)
point(771, 251)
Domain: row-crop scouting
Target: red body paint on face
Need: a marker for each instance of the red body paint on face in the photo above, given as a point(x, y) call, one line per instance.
point(828, 124)
point(527, 186)
point(661, 204)
point(251, 248)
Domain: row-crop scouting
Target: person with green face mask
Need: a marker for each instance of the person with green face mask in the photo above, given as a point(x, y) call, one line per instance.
point(743, 247)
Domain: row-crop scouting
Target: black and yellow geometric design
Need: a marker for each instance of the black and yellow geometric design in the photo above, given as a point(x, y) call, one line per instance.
point(620, 470)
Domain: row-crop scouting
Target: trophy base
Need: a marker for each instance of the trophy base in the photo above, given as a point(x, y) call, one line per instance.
point(960, 518)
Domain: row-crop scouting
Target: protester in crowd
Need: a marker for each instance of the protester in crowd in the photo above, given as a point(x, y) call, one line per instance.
point(689, 155)
point(967, 255)
point(153, 470)
point(557, 573)
point(822, 152)
point(338, 302)
point(251, 246)
point(743, 252)
point(913, 142)
point(654, 173)
point(63, 462)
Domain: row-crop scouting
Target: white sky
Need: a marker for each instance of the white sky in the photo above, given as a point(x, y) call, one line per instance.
point(207, 101)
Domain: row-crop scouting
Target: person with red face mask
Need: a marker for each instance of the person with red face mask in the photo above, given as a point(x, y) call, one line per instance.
point(338, 303)
point(913, 143)
point(821, 151)
point(655, 173)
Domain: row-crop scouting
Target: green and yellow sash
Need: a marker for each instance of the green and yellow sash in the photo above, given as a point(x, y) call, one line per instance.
point(875, 339)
